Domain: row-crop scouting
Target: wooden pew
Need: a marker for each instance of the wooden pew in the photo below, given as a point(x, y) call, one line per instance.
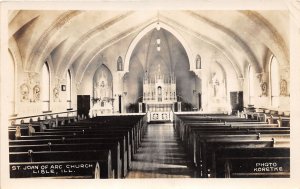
point(114, 147)
point(203, 135)
point(194, 150)
point(85, 132)
point(78, 131)
point(118, 136)
point(138, 127)
point(252, 162)
point(65, 120)
point(183, 127)
point(24, 130)
point(232, 133)
point(71, 140)
point(103, 157)
point(208, 147)
point(135, 135)
point(189, 137)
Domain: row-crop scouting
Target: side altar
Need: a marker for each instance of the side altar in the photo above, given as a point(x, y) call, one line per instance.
point(102, 101)
point(159, 96)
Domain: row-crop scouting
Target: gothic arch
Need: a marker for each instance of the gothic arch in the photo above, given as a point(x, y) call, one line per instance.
point(103, 76)
point(12, 75)
point(145, 31)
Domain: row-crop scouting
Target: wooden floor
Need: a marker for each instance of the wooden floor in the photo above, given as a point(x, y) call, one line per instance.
point(160, 155)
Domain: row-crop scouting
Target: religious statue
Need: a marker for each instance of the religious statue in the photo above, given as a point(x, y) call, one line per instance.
point(55, 94)
point(198, 62)
point(283, 88)
point(36, 93)
point(215, 83)
point(102, 90)
point(24, 92)
point(264, 89)
point(159, 90)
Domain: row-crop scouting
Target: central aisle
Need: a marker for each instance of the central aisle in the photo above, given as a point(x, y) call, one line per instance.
point(160, 155)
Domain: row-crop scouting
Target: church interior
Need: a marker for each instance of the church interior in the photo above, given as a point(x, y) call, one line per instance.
point(148, 94)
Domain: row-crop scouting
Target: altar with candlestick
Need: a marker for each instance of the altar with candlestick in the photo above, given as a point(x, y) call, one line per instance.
point(159, 95)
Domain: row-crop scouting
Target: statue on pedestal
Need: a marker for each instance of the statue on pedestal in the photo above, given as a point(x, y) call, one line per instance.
point(215, 84)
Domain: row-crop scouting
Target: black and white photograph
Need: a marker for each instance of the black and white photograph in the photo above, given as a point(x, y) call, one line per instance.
point(135, 94)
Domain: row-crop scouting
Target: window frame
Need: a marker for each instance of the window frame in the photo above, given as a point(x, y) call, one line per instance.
point(274, 98)
point(69, 90)
point(46, 102)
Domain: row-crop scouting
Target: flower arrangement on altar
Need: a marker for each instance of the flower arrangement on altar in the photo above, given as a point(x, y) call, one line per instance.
point(107, 99)
point(95, 100)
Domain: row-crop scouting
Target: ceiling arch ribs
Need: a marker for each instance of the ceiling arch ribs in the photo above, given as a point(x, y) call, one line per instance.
point(234, 39)
point(270, 36)
point(57, 51)
point(14, 49)
point(86, 38)
point(75, 63)
point(267, 56)
point(146, 67)
point(19, 20)
point(294, 7)
point(169, 52)
point(12, 15)
point(116, 37)
point(41, 49)
point(22, 36)
point(209, 41)
point(144, 31)
point(152, 49)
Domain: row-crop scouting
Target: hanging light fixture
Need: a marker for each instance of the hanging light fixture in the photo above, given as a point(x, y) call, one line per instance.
point(158, 41)
point(158, 44)
point(158, 37)
point(157, 24)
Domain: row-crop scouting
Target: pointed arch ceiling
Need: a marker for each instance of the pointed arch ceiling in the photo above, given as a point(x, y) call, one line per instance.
point(76, 38)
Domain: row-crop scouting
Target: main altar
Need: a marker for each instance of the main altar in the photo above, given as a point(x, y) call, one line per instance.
point(159, 95)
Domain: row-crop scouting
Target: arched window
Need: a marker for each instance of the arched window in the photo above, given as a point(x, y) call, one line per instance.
point(274, 80)
point(120, 64)
point(46, 87)
point(11, 92)
point(251, 84)
point(198, 62)
point(69, 89)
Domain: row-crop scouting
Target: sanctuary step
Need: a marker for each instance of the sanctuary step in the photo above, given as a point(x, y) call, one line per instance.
point(160, 155)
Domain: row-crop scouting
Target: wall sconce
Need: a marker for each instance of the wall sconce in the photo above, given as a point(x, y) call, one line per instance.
point(125, 93)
